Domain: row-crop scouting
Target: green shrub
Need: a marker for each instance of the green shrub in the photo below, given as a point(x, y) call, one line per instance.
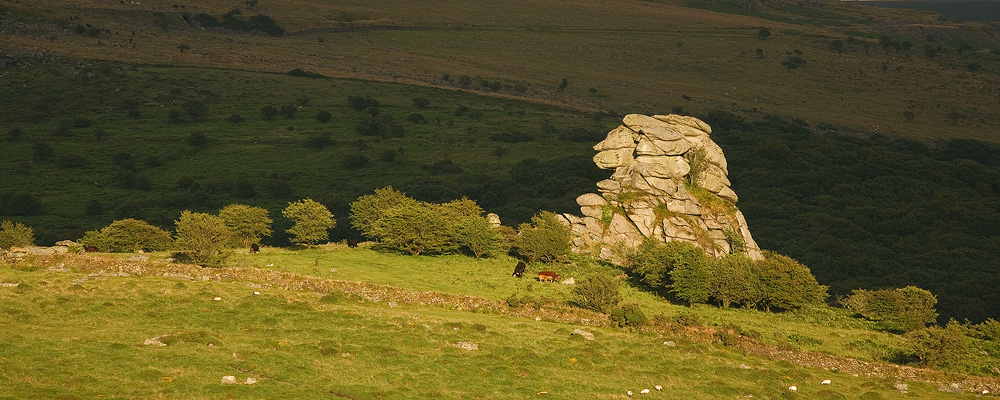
point(312, 220)
point(421, 227)
point(247, 224)
point(202, 237)
point(479, 236)
point(901, 309)
point(421, 102)
point(323, 116)
point(733, 281)
point(128, 235)
point(15, 235)
point(628, 315)
point(359, 103)
point(787, 284)
point(597, 292)
point(367, 209)
point(989, 330)
point(939, 347)
point(691, 280)
point(653, 261)
point(545, 238)
point(269, 111)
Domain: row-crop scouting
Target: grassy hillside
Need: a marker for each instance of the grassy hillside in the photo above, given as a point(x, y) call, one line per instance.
point(77, 327)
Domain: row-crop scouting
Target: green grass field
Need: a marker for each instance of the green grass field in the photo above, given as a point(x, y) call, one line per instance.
point(74, 333)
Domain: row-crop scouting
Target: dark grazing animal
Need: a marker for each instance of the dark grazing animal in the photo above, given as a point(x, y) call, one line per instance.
point(519, 269)
point(254, 248)
point(352, 243)
point(91, 249)
point(550, 276)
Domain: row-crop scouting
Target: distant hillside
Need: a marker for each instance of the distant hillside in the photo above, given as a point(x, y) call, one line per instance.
point(886, 71)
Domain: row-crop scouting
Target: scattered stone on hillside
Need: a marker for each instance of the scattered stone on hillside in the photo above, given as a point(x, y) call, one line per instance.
point(493, 218)
point(901, 387)
point(466, 345)
point(228, 380)
point(393, 304)
point(585, 334)
point(154, 341)
point(9, 284)
point(569, 281)
point(178, 276)
point(67, 243)
point(670, 343)
point(250, 381)
point(952, 388)
point(57, 268)
point(139, 257)
point(744, 366)
point(670, 183)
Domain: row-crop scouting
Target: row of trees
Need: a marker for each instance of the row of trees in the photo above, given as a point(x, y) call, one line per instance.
point(402, 223)
point(396, 221)
point(683, 269)
point(205, 238)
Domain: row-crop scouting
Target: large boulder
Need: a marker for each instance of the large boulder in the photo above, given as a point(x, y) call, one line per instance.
point(648, 196)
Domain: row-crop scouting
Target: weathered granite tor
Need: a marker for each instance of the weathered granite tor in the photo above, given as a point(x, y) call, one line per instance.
point(670, 184)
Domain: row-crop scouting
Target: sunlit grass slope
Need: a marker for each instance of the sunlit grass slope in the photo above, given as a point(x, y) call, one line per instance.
point(80, 335)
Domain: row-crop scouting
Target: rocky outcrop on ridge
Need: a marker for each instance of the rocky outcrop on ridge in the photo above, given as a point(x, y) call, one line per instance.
point(670, 184)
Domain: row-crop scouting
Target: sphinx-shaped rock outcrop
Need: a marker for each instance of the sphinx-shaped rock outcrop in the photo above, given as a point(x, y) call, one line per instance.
point(669, 183)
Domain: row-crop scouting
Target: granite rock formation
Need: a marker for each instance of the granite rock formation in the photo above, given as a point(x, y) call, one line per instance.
point(669, 184)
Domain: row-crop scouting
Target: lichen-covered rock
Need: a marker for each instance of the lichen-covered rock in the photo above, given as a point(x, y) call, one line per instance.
point(658, 162)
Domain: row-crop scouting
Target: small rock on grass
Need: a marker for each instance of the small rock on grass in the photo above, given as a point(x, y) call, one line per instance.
point(228, 380)
point(585, 334)
point(466, 345)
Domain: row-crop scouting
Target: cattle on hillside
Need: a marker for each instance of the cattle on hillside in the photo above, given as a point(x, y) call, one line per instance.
point(519, 269)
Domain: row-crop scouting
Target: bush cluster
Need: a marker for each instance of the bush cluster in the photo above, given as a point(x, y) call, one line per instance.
point(15, 235)
point(901, 310)
point(231, 20)
point(128, 235)
point(404, 224)
point(776, 281)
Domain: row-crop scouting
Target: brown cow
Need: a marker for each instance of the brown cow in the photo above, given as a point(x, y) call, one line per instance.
point(548, 276)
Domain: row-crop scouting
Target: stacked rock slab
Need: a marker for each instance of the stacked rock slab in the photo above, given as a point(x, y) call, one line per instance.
point(670, 184)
